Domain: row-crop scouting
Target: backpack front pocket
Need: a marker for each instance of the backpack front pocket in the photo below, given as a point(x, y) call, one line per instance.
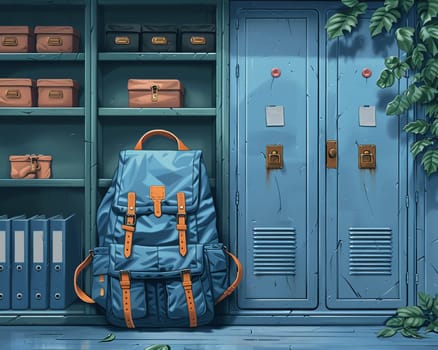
point(137, 297)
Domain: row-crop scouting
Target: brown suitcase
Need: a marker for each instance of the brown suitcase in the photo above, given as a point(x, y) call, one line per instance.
point(17, 93)
point(16, 39)
point(159, 93)
point(56, 39)
point(57, 92)
point(30, 166)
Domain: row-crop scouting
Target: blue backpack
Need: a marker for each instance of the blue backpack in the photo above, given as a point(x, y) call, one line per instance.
point(159, 261)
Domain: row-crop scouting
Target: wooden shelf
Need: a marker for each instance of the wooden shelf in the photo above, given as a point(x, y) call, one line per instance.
point(42, 182)
point(157, 56)
point(170, 112)
point(42, 112)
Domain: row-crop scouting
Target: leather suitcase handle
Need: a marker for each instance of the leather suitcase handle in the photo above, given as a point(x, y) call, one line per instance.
point(161, 132)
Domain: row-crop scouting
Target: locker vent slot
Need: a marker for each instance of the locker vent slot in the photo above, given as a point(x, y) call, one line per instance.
point(370, 251)
point(274, 251)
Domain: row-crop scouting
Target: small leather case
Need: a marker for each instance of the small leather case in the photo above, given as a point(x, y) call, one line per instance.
point(198, 38)
point(17, 92)
point(159, 93)
point(122, 37)
point(16, 39)
point(158, 38)
point(30, 166)
point(57, 92)
point(57, 39)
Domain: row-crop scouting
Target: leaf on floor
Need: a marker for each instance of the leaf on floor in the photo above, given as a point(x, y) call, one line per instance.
point(108, 338)
point(158, 347)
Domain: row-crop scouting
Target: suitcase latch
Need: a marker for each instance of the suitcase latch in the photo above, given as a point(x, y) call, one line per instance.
point(56, 94)
point(159, 40)
point(122, 40)
point(54, 41)
point(13, 94)
point(10, 41)
point(198, 40)
point(154, 92)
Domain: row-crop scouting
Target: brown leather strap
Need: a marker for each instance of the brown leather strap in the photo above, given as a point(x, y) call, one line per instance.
point(239, 275)
point(129, 225)
point(181, 225)
point(79, 292)
point(157, 194)
point(161, 132)
point(187, 285)
point(125, 284)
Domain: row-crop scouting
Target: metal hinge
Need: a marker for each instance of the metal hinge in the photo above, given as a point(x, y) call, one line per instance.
point(417, 196)
point(237, 199)
point(417, 278)
point(237, 70)
point(407, 201)
point(407, 277)
point(237, 23)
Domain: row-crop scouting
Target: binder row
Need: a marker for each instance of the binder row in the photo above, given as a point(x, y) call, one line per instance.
point(38, 256)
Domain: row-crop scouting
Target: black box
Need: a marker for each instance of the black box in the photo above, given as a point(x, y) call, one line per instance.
point(122, 37)
point(198, 38)
point(159, 38)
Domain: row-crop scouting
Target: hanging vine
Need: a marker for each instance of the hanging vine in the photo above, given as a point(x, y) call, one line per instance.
point(418, 61)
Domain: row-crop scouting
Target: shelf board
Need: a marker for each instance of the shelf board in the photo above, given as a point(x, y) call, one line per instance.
point(107, 182)
point(42, 112)
point(171, 112)
point(157, 56)
point(42, 182)
point(31, 56)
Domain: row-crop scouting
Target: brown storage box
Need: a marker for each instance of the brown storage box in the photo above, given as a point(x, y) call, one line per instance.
point(155, 93)
point(30, 166)
point(57, 93)
point(16, 39)
point(17, 93)
point(56, 39)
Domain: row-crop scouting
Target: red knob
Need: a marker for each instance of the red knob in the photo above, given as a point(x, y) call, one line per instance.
point(366, 72)
point(275, 72)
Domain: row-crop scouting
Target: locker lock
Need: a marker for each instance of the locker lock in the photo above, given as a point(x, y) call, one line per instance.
point(367, 156)
point(274, 156)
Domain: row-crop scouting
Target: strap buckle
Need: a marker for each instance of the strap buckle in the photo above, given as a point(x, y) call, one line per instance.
point(130, 219)
point(125, 279)
point(186, 280)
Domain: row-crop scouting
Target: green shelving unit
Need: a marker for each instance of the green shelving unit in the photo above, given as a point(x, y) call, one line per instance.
point(85, 141)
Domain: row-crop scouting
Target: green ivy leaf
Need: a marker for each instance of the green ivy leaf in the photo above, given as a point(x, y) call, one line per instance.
point(432, 109)
point(411, 333)
point(386, 332)
point(340, 23)
point(406, 5)
point(430, 165)
point(398, 105)
point(386, 79)
point(392, 62)
point(395, 322)
point(400, 71)
point(110, 337)
point(435, 306)
point(410, 311)
point(383, 18)
point(413, 93)
point(428, 93)
point(414, 322)
point(390, 4)
point(405, 38)
point(418, 146)
point(425, 301)
point(427, 9)
point(418, 55)
point(350, 3)
point(344, 22)
point(429, 36)
point(418, 127)
point(430, 72)
point(434, 131)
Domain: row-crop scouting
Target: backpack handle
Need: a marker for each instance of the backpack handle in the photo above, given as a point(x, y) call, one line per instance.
point(161, 132)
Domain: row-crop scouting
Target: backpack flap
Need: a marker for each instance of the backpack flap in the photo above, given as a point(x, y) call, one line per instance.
point(175, 171)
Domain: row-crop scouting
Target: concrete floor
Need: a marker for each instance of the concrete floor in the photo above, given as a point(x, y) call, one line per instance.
point(208, 338)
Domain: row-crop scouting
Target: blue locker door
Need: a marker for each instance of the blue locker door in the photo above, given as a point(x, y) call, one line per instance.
point(275, 55)
point(366, 208)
